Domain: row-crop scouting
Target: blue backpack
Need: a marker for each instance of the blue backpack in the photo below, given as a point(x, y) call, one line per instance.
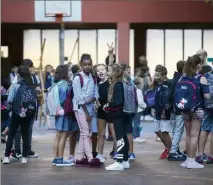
point(209, 103)
point(25, 98)
point(149, 98)
point(187, 91)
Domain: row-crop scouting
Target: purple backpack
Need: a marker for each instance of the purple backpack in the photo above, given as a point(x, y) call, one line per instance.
point(149, 98)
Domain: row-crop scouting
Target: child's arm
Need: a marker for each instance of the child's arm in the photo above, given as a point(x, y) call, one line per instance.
point(88, 117)
point(141, 102)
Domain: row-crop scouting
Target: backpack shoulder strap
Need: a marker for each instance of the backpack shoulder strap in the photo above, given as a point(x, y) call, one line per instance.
point(81, 79)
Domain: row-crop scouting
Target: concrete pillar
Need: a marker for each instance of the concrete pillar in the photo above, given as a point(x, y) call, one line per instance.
point(123, 42)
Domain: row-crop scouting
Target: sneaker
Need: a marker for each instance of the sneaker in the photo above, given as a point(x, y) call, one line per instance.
point(132, 156)
point(180, 153)
point(6, 160)
point(94, 154)
point(32, 154)
point(54, 162)
point(139, 140)
point(209, 160)
point(184, 164)
point(148, 118)
point(95, 163)
point(194, 165)
point(165, 154)
point(126, 164)
point(62, 162)
point(101, 158)
point(14, 156)
point(158, 139)
point(199, 159)
point(205, 157)
point(24, 160)
point(142, 118)
point(71, 159)
point(82, 162)
point(176, 157)
point(115, 167)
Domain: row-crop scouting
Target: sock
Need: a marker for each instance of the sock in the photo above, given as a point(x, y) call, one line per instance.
point(191, 159)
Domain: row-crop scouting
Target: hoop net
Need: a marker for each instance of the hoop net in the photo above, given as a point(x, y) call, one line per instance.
point(58, 16)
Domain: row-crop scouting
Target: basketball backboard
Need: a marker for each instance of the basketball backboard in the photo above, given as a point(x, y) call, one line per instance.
point(71, 9)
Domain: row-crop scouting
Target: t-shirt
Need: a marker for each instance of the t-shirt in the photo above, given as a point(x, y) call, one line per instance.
point(103, 92)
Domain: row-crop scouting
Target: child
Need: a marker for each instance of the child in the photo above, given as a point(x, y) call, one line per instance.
point(192, 118)
point(114, 108)
point(13, 73)
point(62, 122)
point(207, 125)
point(130, 106)
point(162, 117)
point(103, 87)
point(21, 115)
point(84, 97)
point(177, 120)
point(48, 76)
point(141, 106)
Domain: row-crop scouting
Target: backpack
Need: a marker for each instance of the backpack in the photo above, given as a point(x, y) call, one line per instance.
point(130, 99)
point(149, 98)
point(82, 79)
point(25, 98)
point(165, 92)
point(68, 105)
point(52, 99)
point(187, 91)
point(209, 103)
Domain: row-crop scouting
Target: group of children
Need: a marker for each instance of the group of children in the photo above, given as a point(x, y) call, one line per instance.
point(86, 98)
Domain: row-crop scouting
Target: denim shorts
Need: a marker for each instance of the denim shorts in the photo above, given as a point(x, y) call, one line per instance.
point(197, 115)
point(207, 124)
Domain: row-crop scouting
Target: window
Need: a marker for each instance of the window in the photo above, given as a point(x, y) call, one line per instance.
point(192, 42)
point(155, 48)
point(104, 37)
point(208, 43)
point(71, 45)
point(174, 50)
point(4, 52)
point(32, 46)
point(87, 41)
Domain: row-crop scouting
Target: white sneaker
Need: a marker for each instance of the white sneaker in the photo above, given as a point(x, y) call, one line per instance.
point(24, 160)
point(139, 140)
point(194, 165)
point(115, 167)
point(184, 164)
point(142, 118)
point(126, 164)
point(101, 158)
point(148, 118)
point(6, 160)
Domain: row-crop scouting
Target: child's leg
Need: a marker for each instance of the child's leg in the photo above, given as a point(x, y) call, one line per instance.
point(165, 127)
point(62, 142)
point(73, 140)
point(167, 140)
point(101, 134)
point(128, 119)
point(112, 130)
point(56, 145)
point(211, 144)
point(120, 130)
point(94, 129)
point(126, 148)
point(84, 142)
point(136, 125)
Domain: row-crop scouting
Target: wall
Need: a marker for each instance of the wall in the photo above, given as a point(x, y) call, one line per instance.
point(22, 11)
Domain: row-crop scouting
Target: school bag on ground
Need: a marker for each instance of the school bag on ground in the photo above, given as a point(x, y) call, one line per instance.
point(130, 99)
point(149, 98)
point(187, 91)
point(26, 99)
point(52, 99)
point(209, 103)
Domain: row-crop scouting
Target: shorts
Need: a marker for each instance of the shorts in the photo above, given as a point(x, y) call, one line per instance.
point(94, 124)
point(197, 115)
point(128, 121)
point(162, 125)
point(102, 115)
point(207, 124)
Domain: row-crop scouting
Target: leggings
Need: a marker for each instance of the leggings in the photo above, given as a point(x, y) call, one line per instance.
point(15, 122)
point(122, 141)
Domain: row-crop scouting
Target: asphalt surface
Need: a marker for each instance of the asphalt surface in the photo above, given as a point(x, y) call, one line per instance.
point(147, 169)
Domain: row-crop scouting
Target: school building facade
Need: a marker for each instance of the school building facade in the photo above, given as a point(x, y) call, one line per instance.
point(164, 31)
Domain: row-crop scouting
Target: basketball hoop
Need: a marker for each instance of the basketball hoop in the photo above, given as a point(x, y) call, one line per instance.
point(58, 16)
